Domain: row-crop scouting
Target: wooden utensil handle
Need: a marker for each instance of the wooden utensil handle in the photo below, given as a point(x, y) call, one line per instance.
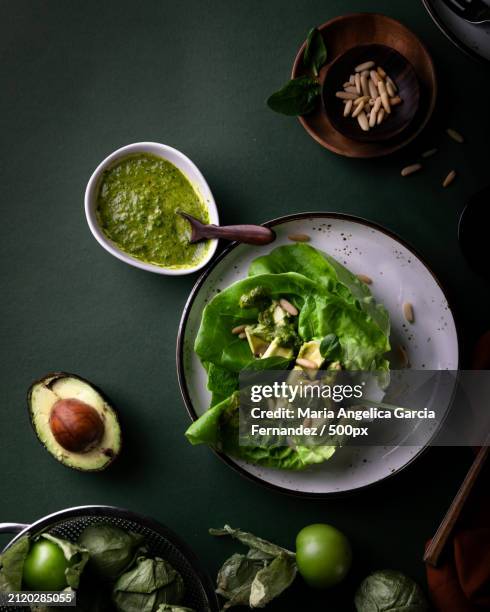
point(249, 234)
point(436, 547)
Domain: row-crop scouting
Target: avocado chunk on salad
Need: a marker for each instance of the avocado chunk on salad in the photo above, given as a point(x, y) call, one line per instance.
point(297, 308)
point(275, 333)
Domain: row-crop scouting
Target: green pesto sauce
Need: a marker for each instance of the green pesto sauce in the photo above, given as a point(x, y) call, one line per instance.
point(258, 297)
point(284, 331)
point(137, 209)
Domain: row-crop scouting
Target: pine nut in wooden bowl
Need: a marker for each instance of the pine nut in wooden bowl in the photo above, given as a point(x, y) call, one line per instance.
point(371, 93)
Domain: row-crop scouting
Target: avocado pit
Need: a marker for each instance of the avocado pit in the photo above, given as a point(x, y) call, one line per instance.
point(76, 426)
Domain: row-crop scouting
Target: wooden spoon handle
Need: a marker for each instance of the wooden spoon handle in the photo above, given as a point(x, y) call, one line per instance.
point(438, 542)
point(249, 234)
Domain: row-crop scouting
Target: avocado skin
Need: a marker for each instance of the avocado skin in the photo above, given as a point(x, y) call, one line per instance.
point(53, 377)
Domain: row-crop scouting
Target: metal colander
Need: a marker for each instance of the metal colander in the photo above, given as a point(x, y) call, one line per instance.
point(160, 541)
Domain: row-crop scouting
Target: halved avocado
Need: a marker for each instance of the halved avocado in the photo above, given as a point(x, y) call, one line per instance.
point(74, 421)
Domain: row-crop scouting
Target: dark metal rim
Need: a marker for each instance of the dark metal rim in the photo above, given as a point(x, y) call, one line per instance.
point(100, 510)
point(180, 349)
point(451, 36)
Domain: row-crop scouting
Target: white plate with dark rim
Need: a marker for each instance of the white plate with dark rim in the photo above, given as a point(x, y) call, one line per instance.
point(399, 275)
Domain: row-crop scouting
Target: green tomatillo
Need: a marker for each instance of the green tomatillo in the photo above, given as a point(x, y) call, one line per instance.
point(323, 555)
point(45, 567)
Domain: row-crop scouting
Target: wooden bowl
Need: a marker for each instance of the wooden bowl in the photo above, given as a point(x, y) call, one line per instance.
point(396, 67)
point(348, 31)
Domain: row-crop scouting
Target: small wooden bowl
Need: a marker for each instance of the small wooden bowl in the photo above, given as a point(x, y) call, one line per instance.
point(344, 33)
point(396, 67)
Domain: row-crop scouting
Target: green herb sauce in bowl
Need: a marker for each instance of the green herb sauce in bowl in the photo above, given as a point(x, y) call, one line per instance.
point(132, 203)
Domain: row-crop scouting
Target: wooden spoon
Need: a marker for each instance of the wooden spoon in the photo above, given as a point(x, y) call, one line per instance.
point(480, 361)
point(446, 527)
point(248, 234)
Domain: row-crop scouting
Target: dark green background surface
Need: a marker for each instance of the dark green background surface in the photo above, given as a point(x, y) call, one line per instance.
point(80, 79)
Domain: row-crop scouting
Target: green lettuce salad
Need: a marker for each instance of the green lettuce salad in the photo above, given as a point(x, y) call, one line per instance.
point(297, 306)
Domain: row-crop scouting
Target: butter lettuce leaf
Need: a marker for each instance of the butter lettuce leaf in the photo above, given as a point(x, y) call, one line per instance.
point(331, 301)
point(322, 312)
point(219, 428)
point(221, 382)
point(215, 342)
point(325, 270)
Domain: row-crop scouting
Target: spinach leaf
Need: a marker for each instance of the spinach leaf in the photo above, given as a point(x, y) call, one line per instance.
point(297, 97)
point(315, 54)
point(390, 591)
point(12, 565)
point(147, 585)
point(258, 577)
point(330, 347)
point(111, 549)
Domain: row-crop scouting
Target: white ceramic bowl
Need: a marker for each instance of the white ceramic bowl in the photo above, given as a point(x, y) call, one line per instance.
point(186, 166)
